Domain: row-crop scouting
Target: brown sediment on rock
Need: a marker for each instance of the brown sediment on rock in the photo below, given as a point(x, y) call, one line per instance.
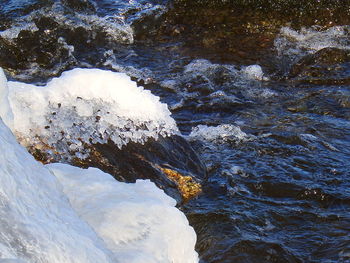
point(187, 186)
point(40, 150)
point(93, 156)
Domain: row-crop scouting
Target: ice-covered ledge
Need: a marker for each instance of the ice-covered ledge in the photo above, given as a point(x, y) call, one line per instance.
point(84, 106)
point(99, 118)
point(85, 215)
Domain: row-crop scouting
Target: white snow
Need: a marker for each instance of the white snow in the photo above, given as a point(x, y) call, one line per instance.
point(102, 220)
point(138, 222)
point(36, 220)
point(85, 106)
point(5, 110)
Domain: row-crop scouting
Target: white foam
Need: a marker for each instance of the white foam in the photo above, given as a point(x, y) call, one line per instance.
point(87, 106)
point(221, 133)
point(11, 260)
point(207, 69)
point(139, 74)
point(13, 32)
point(115, 28)
point(254, 72)
point(138, 222)
point(291, 42)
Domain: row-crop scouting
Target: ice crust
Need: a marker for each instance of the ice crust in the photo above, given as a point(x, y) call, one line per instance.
point(102, 220)
point(85, 106)
point(149, 228)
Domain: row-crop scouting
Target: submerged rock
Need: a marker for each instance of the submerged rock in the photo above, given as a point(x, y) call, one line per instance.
point(328, 66)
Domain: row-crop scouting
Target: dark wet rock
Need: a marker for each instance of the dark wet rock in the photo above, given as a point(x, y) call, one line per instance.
point(146, 23)
point(328, 66)
point(243, 30)
point(52, 45)
point(39, 48)
point(333, 100)
point(169, 162)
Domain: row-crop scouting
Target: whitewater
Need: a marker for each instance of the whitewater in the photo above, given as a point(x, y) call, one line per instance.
point(59, 213)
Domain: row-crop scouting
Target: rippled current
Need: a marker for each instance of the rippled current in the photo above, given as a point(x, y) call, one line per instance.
point(261, 92)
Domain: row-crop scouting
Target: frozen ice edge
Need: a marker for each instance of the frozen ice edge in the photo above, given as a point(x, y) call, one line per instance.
point(84, 106)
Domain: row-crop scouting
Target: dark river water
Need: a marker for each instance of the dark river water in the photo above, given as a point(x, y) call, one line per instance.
point(261, 90)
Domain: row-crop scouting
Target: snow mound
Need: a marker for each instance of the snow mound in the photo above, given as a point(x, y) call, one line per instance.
point(138, 222)
point(36, 220)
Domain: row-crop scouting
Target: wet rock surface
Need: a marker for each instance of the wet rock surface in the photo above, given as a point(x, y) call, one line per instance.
point(243, 30)
point(169, 162)
point(328, 66)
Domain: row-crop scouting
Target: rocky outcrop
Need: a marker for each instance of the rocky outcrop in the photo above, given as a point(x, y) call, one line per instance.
point(241, 30)
point(169, 162)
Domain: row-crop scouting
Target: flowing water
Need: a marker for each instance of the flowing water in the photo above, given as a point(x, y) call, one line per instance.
point(260, 89)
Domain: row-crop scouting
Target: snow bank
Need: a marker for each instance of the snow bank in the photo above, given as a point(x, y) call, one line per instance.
point(5, 110)
point(36, 220)
point(138, 222)
point(86, 106)
point(133, 222)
